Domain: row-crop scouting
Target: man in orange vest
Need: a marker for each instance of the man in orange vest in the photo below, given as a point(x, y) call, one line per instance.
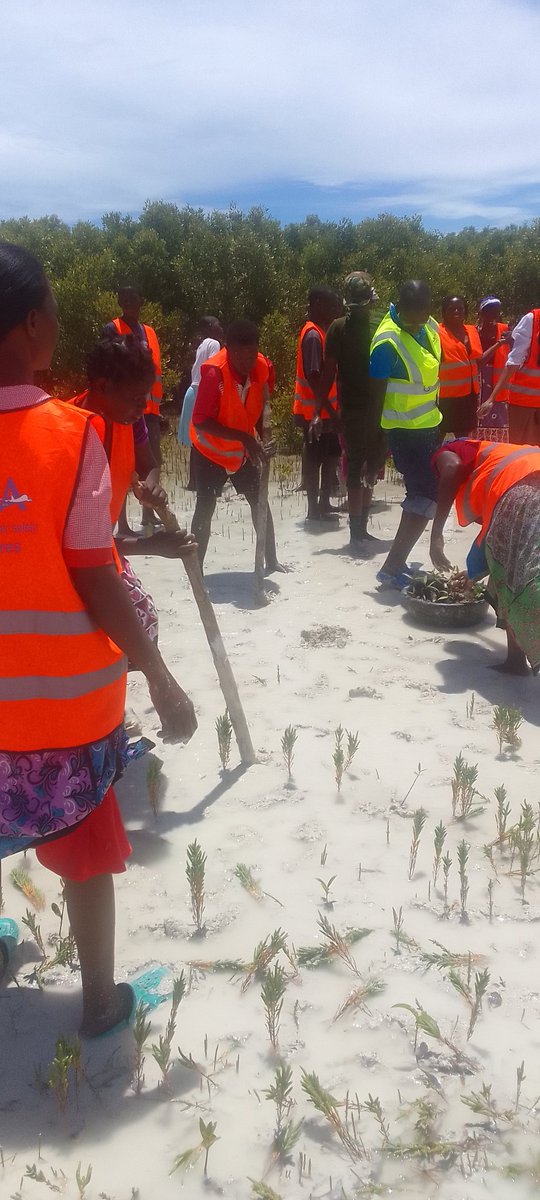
point(131, 300)
point(521, 376)
point(317, 418)
point(231, 410)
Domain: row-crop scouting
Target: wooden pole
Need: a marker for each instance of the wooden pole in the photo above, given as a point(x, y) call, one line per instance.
point(215, 641)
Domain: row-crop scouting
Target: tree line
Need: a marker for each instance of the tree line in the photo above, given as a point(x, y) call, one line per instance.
point(233, 264)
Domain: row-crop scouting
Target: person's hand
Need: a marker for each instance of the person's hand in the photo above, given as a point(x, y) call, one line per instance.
point(506, 337)
point(254, 449)
point(437, 555)
point(173, 707)
point(315, 428)
point(171, 543)
point(484, 409)
point(270, 448)
point(150, 495)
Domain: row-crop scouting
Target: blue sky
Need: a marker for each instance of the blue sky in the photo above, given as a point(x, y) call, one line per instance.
point(343, 109)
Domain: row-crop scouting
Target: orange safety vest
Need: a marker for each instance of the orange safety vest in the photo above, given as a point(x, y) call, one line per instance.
point(524, 385)
point(156, 393)
point(458, 373)
point(232, 412)
point(304, 398)
point(499, 360)
point(62, 681)
point(119, 446)
point(497, 467)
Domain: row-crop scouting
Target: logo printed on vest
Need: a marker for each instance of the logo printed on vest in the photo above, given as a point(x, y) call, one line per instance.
point(13, 497)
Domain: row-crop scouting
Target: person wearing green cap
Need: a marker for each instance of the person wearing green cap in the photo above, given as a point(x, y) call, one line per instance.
point(346, 357)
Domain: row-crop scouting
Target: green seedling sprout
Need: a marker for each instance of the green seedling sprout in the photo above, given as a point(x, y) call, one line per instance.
point(246, 878)
point(261, 1189)
point(328, 1107)
point(224, 732)
point(483, 1105)
point(337, 944)
point(502, 814)
point(524, 844)
point(425, 1023)
point(190, 1157)
point(326, 886)
point(31, 923)
point(419, 820)
point(272, 993)
point(446, 864)
point(470, 707)
point(287, 1132)
point(353, 745)
point(320, 956)
point(359, 996)
point(195, 872)
point(439, 839)
point(443, 959)
point(338, 757)
point(398, 927)
point(520, 1079)
point(163, 1050)
point(464, 789)
point(141, 1033)
point(22, 881)
point(264, 953)
point(153, 782)
point(481, 984)
point(506, 723)
point(83, 1179)
point(67, 1058)
point(373, 1105)
point(288, 742)
point(463, 858)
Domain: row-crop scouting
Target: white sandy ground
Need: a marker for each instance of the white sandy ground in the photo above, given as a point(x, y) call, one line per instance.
point(417, 685)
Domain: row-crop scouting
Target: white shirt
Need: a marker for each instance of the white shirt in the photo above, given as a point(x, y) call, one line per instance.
point(522, 338)
point(205, 350)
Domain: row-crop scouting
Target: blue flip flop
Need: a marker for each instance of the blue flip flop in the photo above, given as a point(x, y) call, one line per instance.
point(9, 938)
point(150, 989)
point(395, 581)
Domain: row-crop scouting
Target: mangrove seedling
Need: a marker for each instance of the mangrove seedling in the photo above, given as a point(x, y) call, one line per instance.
point(419, 820)
point(195, 872)
point(359, 996)
point(338, 757)
point(224, 732)
point(190, 1157)
point(22, 881)
point(319, 956)
point(397, 930)
point(446, 864)
point(502, 814)
point(82, 1179)
point(288, 742)
point(506, 723)
point(264, 953)
point(141, 1033)
point(261, 1190)
point(353, 745)
point(463, 858)
point(287, 1132)
point(470, 707)
point(326, 886)
point(483, 1104)
point(31, 923)
point(439, 839)
point(328, 1107)
point(464, 789)
point(524, 844)
point(67, 1058)
point(373, 1105)
point(246, 878)
point(162, 1052)
point(337, 943)
point(153, 782)
point(272, 993)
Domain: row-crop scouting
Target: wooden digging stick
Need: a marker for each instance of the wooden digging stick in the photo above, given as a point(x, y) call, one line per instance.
point(215, 641)
point(260, 531)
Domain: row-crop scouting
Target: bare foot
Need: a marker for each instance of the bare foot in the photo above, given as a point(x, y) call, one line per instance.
point(512, 667)
point(277, 568)
point(99, 1021)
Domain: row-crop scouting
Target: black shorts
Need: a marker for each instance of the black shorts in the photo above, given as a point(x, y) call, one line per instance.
point(209, 477)
point(458, 414)
point(364, 443)
point(327, 446)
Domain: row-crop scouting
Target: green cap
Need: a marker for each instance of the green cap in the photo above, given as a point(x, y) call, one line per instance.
point(358, 289)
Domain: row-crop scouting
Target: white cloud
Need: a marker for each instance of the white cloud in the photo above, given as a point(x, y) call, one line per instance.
point(105, 104)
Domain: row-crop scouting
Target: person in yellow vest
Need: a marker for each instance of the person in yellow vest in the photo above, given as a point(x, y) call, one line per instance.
point(521, 376)
point(67, 628)
point(404, 369)
point(317, 418)
point(131, 301)
point(497, 486)
point(230, 416)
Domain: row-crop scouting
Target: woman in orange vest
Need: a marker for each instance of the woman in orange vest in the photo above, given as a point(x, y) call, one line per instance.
point(462, 358)
point(231, 413)
point(67, 627)
point(494, 334)
point(519, 382)
point(497, 486)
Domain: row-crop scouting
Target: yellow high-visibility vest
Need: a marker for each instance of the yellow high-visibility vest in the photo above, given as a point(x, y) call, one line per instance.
point(411, 403)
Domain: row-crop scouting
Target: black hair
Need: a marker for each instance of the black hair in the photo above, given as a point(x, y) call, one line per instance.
point(242, 333)
point(23, 286)
point(120, 360)
point(414, 296)
point(447, 301)
point(206, 324)
point(321, 295)
point(130, 286)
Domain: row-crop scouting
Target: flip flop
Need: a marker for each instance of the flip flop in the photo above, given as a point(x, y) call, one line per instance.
point(395, 581)
point(9, 938)
point(151, 988)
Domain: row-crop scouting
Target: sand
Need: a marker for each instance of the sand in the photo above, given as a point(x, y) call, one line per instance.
point(407, 691)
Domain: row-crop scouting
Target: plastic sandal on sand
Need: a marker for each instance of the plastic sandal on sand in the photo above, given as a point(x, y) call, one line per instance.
point(9, 938)
point(395, 581)
point(150, 989)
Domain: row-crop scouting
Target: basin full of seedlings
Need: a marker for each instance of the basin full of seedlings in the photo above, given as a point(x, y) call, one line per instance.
point(445, 601)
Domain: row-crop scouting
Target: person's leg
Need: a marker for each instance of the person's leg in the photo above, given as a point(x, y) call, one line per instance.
point(311, 464)
point(124, 528)
point(202, 521)
point(91, 912)
point(153, 426)
point(411, 528)
point(516, 662)
point(329, 468)
point(412, 451)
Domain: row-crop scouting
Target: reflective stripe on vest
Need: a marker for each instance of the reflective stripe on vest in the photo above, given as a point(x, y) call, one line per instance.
point(60, 687)
point(234, 412)
point(304, 397)
point(524, 384)
point(421, 411)
point(57, 624)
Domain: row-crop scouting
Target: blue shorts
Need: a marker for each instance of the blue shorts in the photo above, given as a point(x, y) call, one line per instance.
point(412, 450)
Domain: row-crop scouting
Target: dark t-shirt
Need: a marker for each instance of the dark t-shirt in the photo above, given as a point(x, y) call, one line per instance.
point(348, 342)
